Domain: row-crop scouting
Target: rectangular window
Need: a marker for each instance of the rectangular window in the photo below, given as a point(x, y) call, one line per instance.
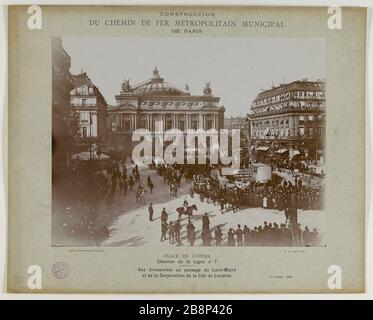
point(84, 117)
point(84, 133)
point(310, 131)
point(301, 131)
point(113, 126)
point(85, 90)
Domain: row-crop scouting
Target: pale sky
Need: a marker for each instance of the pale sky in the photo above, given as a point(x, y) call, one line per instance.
point(238, 68)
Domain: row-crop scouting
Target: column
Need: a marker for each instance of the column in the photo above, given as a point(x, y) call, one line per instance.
point(296, 125)
point(164, 121)
point(200, 121)
point(292, 125)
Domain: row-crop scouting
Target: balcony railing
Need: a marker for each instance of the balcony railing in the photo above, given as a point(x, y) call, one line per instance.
point(81, 105)
point(286, 110)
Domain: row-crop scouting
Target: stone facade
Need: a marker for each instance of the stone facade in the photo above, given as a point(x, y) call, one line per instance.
point(141, 105)
point(290, 116)
point(89, 106)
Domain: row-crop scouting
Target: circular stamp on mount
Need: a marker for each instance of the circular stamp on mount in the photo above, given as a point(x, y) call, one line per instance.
point(60, 270)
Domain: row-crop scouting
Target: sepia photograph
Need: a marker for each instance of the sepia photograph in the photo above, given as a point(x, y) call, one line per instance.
point(188, 141)
point(185, 150)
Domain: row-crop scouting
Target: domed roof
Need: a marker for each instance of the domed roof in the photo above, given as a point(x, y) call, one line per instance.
point(157, 85)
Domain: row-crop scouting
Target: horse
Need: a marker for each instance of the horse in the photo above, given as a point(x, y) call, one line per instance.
point(189, 210)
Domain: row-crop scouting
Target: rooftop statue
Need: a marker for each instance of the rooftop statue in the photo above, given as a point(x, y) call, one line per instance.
point(207, 89)
point(155, 72)
point(126, 87)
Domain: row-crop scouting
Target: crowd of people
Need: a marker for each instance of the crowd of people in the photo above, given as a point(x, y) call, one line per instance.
point(91, 188)
point(297, 163)
point(268, 234)
point(271, 234)
point(271, 196)
point(278, 196)
point(171, 176)
point(76, 220)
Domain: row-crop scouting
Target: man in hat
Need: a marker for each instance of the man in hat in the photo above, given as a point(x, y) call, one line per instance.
point(164, 215)
point(218, 236)
point(239, 235)
point(230, 235)
point(205, 222)
point(177, 228)
point(151, 211)
point(164, 227)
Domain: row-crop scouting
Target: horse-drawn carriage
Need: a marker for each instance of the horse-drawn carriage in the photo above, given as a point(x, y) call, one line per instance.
point(200, 187)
